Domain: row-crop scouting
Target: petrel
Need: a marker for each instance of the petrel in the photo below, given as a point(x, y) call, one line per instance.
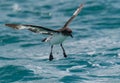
point(56, 36)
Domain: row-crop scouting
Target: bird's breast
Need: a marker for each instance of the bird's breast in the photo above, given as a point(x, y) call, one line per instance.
point(57, 39)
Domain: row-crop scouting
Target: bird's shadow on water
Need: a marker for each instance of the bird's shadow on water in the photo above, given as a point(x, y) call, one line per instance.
point(12, 73)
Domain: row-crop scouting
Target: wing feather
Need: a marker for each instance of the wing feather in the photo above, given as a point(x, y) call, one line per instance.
point(74, 15)
point(33, 28)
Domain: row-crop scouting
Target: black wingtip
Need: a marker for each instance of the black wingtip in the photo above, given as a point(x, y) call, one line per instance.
point(12, 25)
point(6, 24)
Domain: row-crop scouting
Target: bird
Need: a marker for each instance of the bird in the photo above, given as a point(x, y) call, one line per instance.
point(55, 36)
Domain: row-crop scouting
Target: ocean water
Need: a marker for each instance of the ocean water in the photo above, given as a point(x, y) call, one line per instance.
point(93, 53)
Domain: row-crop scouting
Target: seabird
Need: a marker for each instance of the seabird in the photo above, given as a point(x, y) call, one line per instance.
point(56, 36)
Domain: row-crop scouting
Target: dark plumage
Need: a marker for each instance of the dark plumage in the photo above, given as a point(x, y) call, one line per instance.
point(56, 36)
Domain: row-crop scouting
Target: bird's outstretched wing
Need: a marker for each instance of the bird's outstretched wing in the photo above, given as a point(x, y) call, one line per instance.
point(74, 15)
point(33, 28)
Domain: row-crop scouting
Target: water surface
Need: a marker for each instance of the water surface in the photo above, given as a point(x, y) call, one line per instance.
point(93, 53)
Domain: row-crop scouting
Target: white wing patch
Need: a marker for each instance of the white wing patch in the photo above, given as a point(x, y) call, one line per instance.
point(22, 27)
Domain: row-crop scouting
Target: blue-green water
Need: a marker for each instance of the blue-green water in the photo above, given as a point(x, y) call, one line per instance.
point(93, 53)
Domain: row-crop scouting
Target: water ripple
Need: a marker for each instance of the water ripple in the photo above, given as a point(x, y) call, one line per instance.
point(12, 73)
point(93, 53)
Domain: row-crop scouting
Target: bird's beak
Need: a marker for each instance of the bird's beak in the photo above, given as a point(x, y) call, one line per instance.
point(71, 35)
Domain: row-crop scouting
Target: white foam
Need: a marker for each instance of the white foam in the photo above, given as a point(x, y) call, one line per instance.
point(16, 7)
point(75, 67)
point(91, 53)
point(47, 71)
point(118, 55)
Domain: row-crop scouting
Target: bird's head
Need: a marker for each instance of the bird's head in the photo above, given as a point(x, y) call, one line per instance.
point(67, 31)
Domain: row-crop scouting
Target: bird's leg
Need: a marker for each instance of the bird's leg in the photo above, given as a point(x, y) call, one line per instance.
point(63, 50)
point(51, 55)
